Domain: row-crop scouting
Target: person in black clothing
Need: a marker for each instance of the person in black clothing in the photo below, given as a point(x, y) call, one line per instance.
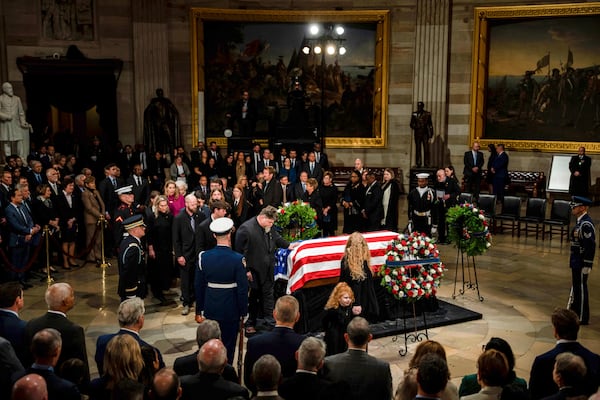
point(447, 192)
point(373, 207)
point(490, 175)
point(337, 316)
point(312, 197)
point(391, 194)
point(356, 272)
point(329, 197)
point(161, 270)
point(352, 201)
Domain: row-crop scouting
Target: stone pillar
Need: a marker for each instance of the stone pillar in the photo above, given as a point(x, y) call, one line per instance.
point(431, 71)
point(150, 56)
point(3, 60)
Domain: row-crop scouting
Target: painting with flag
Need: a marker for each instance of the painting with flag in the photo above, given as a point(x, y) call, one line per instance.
point(543, 62)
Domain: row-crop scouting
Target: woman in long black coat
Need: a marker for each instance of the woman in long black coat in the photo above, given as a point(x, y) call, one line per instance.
point(68, 207)
point(391, 194)
point(161, 270)
point(44, 213)
point(329, 196)
point(353, 201)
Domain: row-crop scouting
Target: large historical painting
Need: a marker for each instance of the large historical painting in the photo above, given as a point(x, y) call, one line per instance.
point(536, 77)
point(67, 20)
point(298, 94)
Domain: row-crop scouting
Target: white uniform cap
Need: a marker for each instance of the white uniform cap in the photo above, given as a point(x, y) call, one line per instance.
point(221, 226)
point(422, 175)
point(124, 190)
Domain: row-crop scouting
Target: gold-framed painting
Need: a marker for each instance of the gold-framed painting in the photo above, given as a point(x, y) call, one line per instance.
point(535, 77)
point(296, 90)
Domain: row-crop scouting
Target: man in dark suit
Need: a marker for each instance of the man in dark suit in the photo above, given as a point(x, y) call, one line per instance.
point(131, 321)
point(35, 177)
point(282, 342)
point(205, 237)
point(568, 374)
point(60, 298)
point(140, 186)
point(313, 168)
point(287, 190)
point(368, 377)
point(305, 383)
point(46, 348)
point(107, 187)
point(188, 365)
point(212, 359)
point(221, 285)
point(9, 365)
point(6, 184)
point(300, 187)
point(500, 171)
point(473, 161)
point(272, 192)
point(566, 327)
point(257, 241)
point(244, 114)
point(432, 377)
point(185, 244)
point(12, 328)
point(321, 157)
point(267, 375)
point(373, 207)
point(165, 385)
point(215, 152)
point(580, 166)
point(255, 162)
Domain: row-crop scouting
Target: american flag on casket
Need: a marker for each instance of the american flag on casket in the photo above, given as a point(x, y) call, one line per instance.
point(320, 258)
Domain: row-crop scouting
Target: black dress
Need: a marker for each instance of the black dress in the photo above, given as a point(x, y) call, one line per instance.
point(391, 214)
point(334, 323)
point(329, 196)
point(364, 291)
point(161, 269)
point(353, 220)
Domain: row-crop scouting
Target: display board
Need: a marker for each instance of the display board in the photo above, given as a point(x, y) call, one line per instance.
point(559, 174)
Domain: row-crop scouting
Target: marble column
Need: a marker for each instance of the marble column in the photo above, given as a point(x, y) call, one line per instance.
point(150, 56)
point(3, 60)
point(431, 71)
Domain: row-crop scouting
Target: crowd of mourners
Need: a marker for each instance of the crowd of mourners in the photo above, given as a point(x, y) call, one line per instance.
point(74, 203)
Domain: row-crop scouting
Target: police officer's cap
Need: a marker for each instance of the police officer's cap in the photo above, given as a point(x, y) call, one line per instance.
point(124, 190)
point(580, 201)
point(422, 175)
point(221, 226)
point(133, 222)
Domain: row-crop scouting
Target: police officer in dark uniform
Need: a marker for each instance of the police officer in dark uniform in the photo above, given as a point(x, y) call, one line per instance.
point(123, 211)
point(422, 213)
point(583, 248)
point(132, 282)
point(221, 285)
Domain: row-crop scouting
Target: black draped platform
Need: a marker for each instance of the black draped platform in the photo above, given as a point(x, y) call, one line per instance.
point(390, 321)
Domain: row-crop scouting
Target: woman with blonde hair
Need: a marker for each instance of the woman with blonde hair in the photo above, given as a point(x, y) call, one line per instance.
point(356, 272)
point(338, 313)
point(176, 201)
point(122, 360)
point(407, 389)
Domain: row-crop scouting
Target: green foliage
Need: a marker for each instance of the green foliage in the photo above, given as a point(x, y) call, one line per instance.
point(468, 229)
point(297, 221)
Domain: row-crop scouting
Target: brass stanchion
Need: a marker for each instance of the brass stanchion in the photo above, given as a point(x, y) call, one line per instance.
point(49, 279)
point(102, 223)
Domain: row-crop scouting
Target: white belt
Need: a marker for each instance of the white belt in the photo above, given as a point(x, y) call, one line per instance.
point(222, 285)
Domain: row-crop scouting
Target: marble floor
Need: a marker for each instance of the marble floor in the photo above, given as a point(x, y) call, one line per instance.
point(521, 280)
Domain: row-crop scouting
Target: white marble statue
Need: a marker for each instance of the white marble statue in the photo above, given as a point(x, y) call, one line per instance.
point(14, 129)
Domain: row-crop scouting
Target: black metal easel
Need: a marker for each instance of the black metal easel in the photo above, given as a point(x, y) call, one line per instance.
point(414, 336)
point(467, 282)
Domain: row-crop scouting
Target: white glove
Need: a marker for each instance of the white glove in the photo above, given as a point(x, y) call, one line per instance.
point(586, 270)
point(433, 230)
point(409, 226)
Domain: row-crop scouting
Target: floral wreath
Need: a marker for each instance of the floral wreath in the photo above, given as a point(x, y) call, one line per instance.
point(468, 229)
point(412, 269)
point(297, 221)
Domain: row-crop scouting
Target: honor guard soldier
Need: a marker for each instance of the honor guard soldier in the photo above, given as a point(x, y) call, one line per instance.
point(583, 248)
point(221, 285)
point(422, 213)
point(132, 281)
point(123, 211)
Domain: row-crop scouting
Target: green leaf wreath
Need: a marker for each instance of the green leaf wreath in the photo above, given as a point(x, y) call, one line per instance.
point(468, 229)
point(297, 221)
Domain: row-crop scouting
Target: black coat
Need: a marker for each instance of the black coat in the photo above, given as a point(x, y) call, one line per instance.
point(580, 185)
point(353, 220)
point(210, 386)
point(58, 388)
point(185, 242)
point(205, 237)
point(391, 214)
point(303, 386)
point(364, 291)
point(373, 207)
point(335, 323)
point(188, 365)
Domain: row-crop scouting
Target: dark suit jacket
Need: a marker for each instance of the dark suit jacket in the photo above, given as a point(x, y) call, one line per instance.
point(141, 193)
point(500, 166)
point(470, 163)
point(17, 227)
point(73, 338)
point(317, 171)
point(541, 383)
point(58, 388)
point(185, 240)
point(272, 194)
point(206, 240)
point(368, 377)
point(210, 386)
point(188, 365)
point(303, 385)
point(65, 212)
point(281, 343)
point(103, 340)
point(12, 328)
point(298, 191)
point(9, 365)
point(107, 192)
point(374, 206)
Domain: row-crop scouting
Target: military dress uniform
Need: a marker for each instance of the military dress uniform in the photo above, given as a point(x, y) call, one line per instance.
point(583, 248)
point(221, 287)
point(132, 264)
point(421, 210)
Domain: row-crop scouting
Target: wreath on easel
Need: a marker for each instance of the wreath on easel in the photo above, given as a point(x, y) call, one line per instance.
point(297, 221)
point(468, 229)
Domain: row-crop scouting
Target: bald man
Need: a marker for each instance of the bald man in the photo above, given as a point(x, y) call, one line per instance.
point(30, 387)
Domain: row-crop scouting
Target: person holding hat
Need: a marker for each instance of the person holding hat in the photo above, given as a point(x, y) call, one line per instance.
point(422, 213)
point(132, 282)
point(221, 285)
point(583, 248)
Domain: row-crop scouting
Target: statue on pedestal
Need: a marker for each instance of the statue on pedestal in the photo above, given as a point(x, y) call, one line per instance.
point(162, 130)
point(420, 122)
point(14, 129)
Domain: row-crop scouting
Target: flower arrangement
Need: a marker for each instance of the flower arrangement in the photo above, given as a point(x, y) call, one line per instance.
point(468, 229)
point(297, 221)
point(412, 268)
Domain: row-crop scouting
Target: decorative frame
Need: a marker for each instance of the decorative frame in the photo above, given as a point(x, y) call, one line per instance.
point(379, 19)
point(67, 21)
point(546, 123)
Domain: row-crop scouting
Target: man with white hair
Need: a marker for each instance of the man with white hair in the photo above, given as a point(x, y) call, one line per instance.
point(14, 129)
point(60, 299)
point(131, 321)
